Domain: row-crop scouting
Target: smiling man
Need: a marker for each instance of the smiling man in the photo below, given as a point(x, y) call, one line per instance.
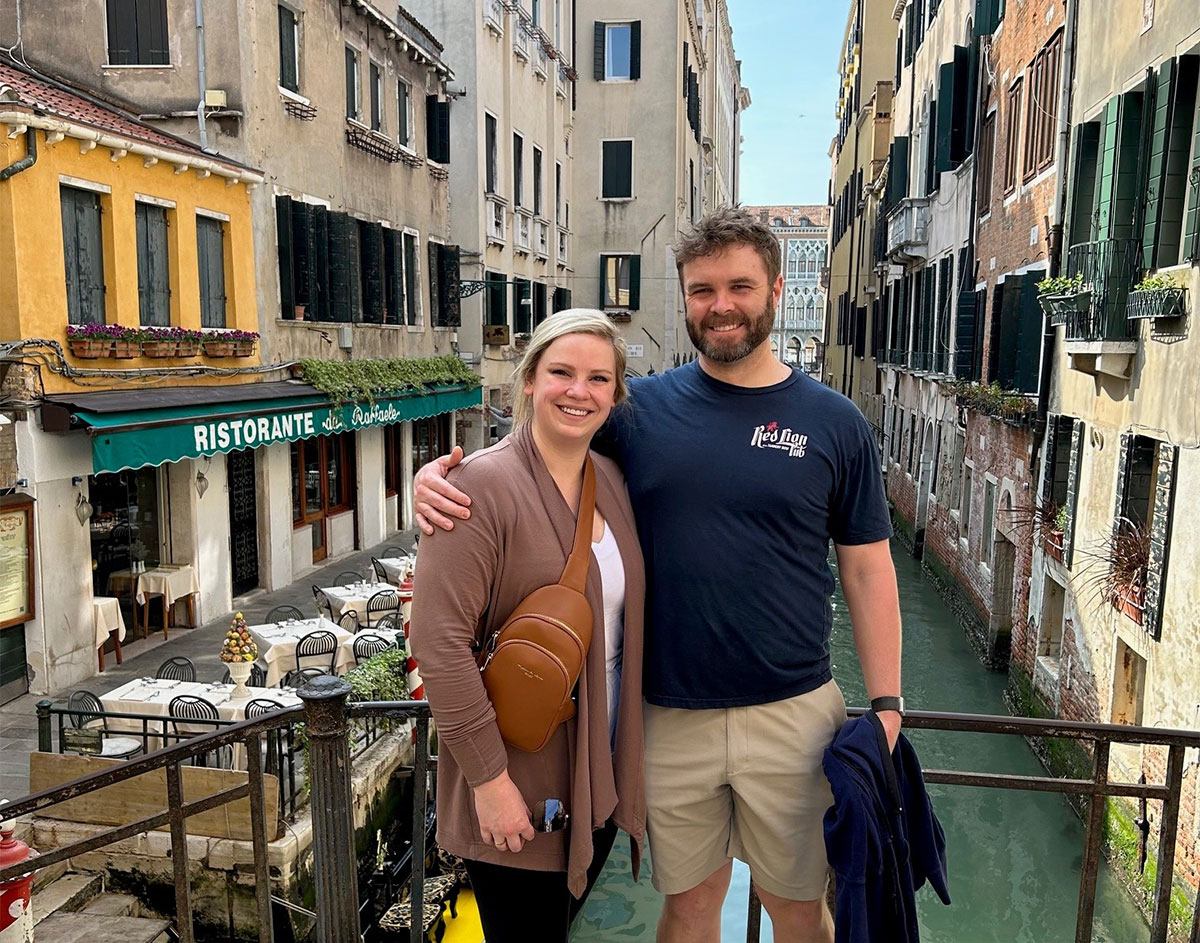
point(742, 471)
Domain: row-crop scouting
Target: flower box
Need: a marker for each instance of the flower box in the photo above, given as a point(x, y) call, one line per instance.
point(126, 348)
point(244, 348)
point(156, 347)
point(187, 346)
point(218, 348)
point(1130, 601)
point(1156, 303)
point(1079, 302)
point(1053, 543)
point(88, 348)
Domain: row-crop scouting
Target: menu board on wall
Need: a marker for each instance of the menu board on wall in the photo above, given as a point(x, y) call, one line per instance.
point(16, 563)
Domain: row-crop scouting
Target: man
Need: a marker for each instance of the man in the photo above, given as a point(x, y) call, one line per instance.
point(741, 470)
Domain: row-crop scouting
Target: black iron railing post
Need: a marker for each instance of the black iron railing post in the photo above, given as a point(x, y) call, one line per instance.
point(45, 735)
point(420, 785)
point(328, 731)
point(1167, 833)
point(1093, 839)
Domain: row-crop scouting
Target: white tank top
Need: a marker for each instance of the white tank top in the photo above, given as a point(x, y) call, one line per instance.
point(612, 577)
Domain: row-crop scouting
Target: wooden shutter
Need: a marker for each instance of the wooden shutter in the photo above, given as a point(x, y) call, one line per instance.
point(1124, 460)
point(635, 49)
point(1049, 454)
point(339, 267)
point(598, 52)
point(1029, 336)
point(1190, 251)
point(684, 85)
point(617, 170)
point(283, 237)
point(411, 287)
point(964, 334)
point(1073, 485)
point(287, 50)
point(1175, 165)
point(1156, 176)
point(83, 252)
point(1084, 164)
point(1160, 538)
point(154, 287)
point(635, 282)
point(351, 83)
point(449, 282)
point(393, 276)
point(908, 35)
point(318, 307)
point(604, 302)
point(961, 112)
point(303, 249)
point(932, 178)
point(946, 109)
point(435, 295)
point(1107, 170)
point(210, 242)
point(151, 32)
point(372, 273)
point(1010, 325)
point(437, 130)
point(522, 313)
point(122, 32)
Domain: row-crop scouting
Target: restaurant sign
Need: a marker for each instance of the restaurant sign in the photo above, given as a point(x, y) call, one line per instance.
point(125, 441)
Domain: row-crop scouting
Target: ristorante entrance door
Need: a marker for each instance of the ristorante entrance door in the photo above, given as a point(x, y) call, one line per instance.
point(243, 521)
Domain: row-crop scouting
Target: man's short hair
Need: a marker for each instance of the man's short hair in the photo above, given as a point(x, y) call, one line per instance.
point(724, 229)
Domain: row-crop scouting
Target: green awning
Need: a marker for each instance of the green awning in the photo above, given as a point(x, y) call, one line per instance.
point(137, 438)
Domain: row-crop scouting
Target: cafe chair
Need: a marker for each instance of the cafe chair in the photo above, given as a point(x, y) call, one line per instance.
point(368, 646)
point(349, 621)
point(386, 600)
point(324, 607)
point(390, 623)
point(348, 578)
point(280, 613)
point(318, 644)
point(380, 573)
point(259, 707)
point(189, 707)
point(85, 711)
point(299, 677)
point(394, 552)
point(176, 668)
point(257, 679)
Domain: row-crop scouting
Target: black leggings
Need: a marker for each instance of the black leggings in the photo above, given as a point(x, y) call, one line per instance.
point(517, 905)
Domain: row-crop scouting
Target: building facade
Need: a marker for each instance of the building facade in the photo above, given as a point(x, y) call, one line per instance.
point(655, 147)
point(513, 125)
point(348, 257)
point(803, 233)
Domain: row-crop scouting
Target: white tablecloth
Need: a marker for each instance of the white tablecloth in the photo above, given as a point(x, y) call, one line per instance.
point(170, 582)
point(277, 645)
point(153, 696)
point(396, 567)
point(354, 598)
point(106, 615)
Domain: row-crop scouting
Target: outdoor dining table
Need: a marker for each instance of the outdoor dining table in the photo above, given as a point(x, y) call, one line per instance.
point(277, 645)
point(108, 623)
point(353, 598)
point(170, 580)
point(153, 696)
point(396, 568)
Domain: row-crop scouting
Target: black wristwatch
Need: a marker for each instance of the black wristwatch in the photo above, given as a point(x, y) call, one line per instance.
point(888, 704)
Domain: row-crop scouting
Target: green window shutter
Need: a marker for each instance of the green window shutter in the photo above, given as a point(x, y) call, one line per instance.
point(1176, 169)
point(1124, 458)
point(393, 276)
point(962, 113)
point(1073, 484)
point(154, 293)
point(339, 267)
point(932, 178)
point(1084, 155)
point(598, 52)
point(1049, 451)
point(283, 237)
point(522, 311)
point(210, 250)
point(122, 32)
point(1029, 335)
point(319, 225)
point(1191, 238)
point(1010, 327)
point(303, 250)
point(908, 35)
point(965, 328)
point(604, 282)
point(434, 285)
point(1156, 177)
point(1160, 538)
point(354, 267)
point(372, 273)
point(287, 50)
point(898, 171)
point(351, 83)
point(411, 311)
point(1128, 185)
point(450, 312)
point(635, 282)
point(1107, 170)
point(152, 32)
point(945, 117)
point(635, 49)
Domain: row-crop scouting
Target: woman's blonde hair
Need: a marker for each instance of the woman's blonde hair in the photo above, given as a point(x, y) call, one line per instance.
point(561, 324)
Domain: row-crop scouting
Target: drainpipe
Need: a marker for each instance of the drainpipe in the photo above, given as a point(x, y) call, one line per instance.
point(1061, 151)
point(25, 162)
point(852, 282)
point(202, 75)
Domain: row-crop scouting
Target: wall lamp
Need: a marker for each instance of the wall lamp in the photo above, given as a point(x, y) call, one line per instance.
point(83, 507)
point(202, 481)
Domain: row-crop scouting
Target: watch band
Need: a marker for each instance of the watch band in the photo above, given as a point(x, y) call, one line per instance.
point(888, 704)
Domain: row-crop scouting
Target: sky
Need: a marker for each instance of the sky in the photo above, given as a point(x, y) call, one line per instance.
point(789, 52)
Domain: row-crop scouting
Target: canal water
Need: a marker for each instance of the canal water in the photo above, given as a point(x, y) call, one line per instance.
point(1014, 857)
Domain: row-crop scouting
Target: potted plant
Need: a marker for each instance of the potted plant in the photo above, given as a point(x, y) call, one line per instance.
point(218, 344)
point(243, 342)
point(159, 342)
point(1156, 296)
point(1063, 295)
point(127, 344)
point(187, 343)
point(91, 341)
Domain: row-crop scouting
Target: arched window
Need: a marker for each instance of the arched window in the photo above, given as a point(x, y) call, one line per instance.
point(794, 257)
point(793, 306)
point(793, 351)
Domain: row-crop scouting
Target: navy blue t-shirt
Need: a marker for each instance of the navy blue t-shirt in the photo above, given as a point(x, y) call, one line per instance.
point(737, 493)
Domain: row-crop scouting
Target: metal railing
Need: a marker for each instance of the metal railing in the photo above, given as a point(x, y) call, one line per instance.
point(497, 217)
point(907, 228)
point(493, 15)
point(1110, 268)
point(522, 224)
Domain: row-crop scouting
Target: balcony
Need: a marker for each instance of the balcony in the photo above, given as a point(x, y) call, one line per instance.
point(493, 16)
point(1100, 338)
point(561, 81)
point(541, 238)
point(522, 225)
point(521, 41)
point(907, 239)
point(564, 242)
point(541, 61)
point(497, 215)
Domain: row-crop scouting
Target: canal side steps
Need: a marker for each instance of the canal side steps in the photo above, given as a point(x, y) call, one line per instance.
point(74, 907)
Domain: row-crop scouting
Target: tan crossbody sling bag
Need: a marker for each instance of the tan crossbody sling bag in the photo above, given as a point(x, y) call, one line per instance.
point(531, 665)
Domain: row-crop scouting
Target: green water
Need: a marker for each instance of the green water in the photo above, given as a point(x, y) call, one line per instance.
point(1014, 857)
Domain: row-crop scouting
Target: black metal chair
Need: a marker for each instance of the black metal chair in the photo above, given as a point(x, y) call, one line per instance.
point(390, 622)
point(395, 552)
point(349, 621)
point(176, 668)
point(318, 645)
point(299, 677)
point(257, 679)
point(187, 707)
point(279, 613)
point(348, 578)
point(260, 706)
point(380, 573)
point(368, 646)
point(323, 602)
point(384, 601)
point(86, 712)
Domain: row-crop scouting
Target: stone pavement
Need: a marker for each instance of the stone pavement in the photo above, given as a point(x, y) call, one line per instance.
point(18, 718)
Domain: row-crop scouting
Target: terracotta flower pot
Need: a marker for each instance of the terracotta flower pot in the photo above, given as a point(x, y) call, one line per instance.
point(219, 348)
point(89, 348)
point(243, 348)
point(125, 350)
point(159, 348)
point(187, 348)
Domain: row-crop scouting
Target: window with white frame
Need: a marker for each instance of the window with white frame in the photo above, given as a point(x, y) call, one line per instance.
point(375, 75)
point(518, 164)
point(289, 50)
point(621, 51)
point(353, 94)
point(404, 113)
point(491, 145)
point(987, 537)
point(616, 170)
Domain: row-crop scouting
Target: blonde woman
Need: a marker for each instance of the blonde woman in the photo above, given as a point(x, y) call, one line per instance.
point(536, 828)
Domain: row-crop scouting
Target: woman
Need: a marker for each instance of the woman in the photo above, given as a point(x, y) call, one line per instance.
point(496, 803)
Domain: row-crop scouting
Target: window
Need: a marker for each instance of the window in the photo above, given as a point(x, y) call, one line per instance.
point(561, 300)
point(1171, 232)
point(137, 32)
point(692, 189)
point(1041, 114)
point(430, 438)
point(558, 200)
point(352, 91)
point(154, 284)
point(1129, 686)
point(537, 181)
point(412, 302)
point(403, 114)
point(210, 260)
point(965, 511)
point(518, 163)
point(437, 129)
point(535, 13)
point(539, 303)
point(618, 52)
point(490, 143)
point(989, 519)
point(495, 300)
point(1051, 629)
point(1012, 131)
point(522, 306)
point(616, 170)
point(84, 253)
point(376, 97)
point(620, 281)
point(393, 462)
point(289, 50)
point(323, 476)
point(987, 147)
point(443, 285)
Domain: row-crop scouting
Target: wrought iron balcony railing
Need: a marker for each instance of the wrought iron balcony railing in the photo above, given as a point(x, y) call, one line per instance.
point(1109, 268)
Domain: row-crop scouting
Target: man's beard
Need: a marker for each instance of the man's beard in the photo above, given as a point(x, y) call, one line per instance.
point(757, 330)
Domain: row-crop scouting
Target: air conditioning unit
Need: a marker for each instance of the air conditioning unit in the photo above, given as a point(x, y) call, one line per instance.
point(495, 335)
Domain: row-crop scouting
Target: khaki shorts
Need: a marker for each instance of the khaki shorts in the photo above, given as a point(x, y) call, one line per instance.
point(742, 782)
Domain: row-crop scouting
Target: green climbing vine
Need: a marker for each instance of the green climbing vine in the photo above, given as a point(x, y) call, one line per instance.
point(359, 380)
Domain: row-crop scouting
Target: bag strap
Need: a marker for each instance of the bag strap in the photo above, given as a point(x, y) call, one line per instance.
point(575, 573)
